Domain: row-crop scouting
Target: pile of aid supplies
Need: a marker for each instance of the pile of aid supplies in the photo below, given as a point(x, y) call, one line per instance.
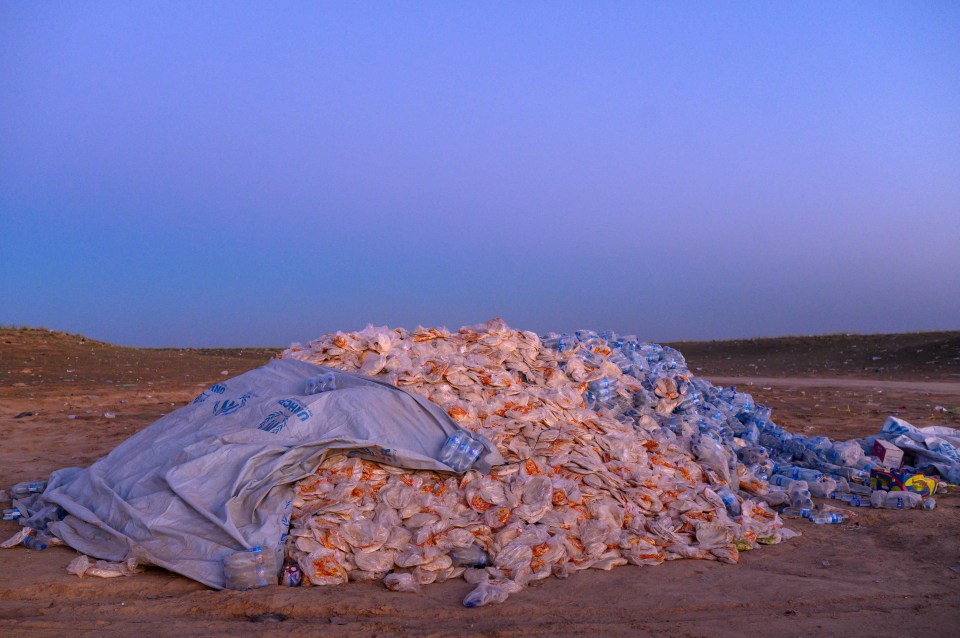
point(613, 454)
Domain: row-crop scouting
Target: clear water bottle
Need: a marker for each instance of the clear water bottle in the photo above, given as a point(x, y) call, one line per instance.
point(600, 391)
point(929, 503)
point(473, 556)
point(12, 514)
point(34, 543)
point(795, 512)
point(323, 382)
point(851, 499)
point(797, 486)
point(781, 480)
point(730, 501)
point(823, 487)
point(715, 415)
point(828, 518)
point(468, 454)
point(818, 444)
point(803, 474)
point(895, 500)
point(23, 490)
point(758, 471)
point(799, 495)
point(449, 450)
point(858, 500)
point(743, 403)
point(761, 416)
point(249, 569)
point(460, 451)
point(862, 490)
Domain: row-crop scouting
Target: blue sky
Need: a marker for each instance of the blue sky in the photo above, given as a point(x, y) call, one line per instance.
point(237, 173)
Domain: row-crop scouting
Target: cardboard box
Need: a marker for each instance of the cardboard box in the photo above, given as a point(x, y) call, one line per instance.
point(891, 481)
point(889, 454)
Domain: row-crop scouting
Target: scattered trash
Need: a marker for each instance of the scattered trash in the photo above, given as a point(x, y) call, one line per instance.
point(109, 415)
point(18, 538)
point(83, 566)
point(24, 414)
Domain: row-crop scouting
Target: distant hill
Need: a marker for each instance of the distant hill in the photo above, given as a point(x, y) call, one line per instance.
point(913, 355)
point(37, 356)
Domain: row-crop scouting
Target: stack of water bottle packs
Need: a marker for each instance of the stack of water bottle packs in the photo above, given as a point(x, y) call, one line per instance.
point(614, 454)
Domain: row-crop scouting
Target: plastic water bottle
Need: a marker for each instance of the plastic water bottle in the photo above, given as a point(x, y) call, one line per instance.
point(468, 453)
point(862, 490)
point(449, 450)
point(929, 503)
point(795, 512)
point(758, 471)
point(730, 501)
point(802, 474)
point(828, 518)
point(460, 451)
point(23, 490)
point(715, 415)
point(12, 514)
point(323, 382)
point(473, 556)
point(799, 495)
point(895, 500)
point(250, 568)
point(823, 487)
point(781, 480)
point(34, 543)
point(601, 390)
point(851, 499)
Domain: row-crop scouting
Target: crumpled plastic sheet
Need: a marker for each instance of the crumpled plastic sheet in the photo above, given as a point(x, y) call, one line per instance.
point(613, 457)
point(83, 566)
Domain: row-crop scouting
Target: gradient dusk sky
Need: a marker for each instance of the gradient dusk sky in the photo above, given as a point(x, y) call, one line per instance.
point(255, 173)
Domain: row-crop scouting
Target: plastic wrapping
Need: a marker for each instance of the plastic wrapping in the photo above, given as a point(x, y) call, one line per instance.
point(612, 456)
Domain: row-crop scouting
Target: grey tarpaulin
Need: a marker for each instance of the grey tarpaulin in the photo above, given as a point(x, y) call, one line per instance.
point(216, 476)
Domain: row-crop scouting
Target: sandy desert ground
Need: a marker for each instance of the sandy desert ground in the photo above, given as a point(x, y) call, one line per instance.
point(883, 573)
